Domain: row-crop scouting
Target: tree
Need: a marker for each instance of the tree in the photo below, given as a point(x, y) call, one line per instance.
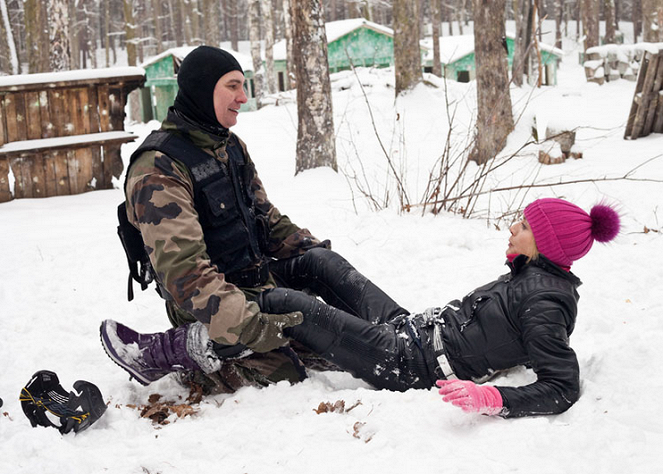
point(315, 132)
point(58, 14)
point(590, 23)
point(256, 56)
point(268, 33)
point(494, 115)
point(7, 41)
point(407, 55)
point(609, 16)
point(522, 11)
point(650, 29)
point(130, 31)
point(437, 22)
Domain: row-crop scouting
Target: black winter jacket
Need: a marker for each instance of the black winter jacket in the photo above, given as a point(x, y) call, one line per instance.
point(522, 318)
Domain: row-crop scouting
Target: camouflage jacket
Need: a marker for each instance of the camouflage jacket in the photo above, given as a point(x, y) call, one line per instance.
point(160, 203)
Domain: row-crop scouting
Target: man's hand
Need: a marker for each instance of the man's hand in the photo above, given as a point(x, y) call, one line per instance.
point(264, 332)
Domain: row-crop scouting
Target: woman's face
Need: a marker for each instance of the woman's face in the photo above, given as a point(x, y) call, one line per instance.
point(521, 240)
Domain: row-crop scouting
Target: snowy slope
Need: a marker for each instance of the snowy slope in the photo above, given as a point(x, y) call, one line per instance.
point(63, 272)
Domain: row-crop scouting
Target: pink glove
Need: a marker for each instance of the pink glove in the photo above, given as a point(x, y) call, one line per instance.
point(472, 398)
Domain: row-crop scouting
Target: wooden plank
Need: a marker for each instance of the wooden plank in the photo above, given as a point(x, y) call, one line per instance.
point(653, 96)
point(85, 110)
point(113, 165)
point(56, 111)
point(658, 122)
point(641, 115)
point(73, 171)
point(21, 116)
point(3, 124)
point(61, 171)
point(97, 167)
point(75, 112)
point(50, 175)
point(104, 108)
point(47, 127)
point(33, 115)
point(10, 117)
point(5, 193)
point(642, 72)
point(85, 169)
point(51, 81)
point(37, 174)
point(70, 108)
point(95, 125)
point(23, 180)
point(117, 102)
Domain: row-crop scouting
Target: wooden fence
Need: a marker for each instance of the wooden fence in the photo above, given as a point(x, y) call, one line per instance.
point(61, 132)
point(646, 114)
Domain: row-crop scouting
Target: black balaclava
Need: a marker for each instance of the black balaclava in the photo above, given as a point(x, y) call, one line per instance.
point(199, 72)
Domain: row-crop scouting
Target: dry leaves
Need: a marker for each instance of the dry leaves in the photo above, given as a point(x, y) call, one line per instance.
point(159, 411)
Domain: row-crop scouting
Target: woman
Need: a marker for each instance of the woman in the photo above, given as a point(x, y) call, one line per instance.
point(523, 318)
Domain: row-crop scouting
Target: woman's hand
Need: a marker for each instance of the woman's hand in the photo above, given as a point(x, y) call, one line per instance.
point(472, 398)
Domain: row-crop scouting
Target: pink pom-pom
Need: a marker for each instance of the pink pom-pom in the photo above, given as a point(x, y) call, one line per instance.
point(605, 223)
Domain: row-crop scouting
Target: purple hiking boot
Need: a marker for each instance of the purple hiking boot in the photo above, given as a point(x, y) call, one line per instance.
point(148, 357)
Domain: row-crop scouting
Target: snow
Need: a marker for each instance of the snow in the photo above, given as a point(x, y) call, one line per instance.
point(63, 272)
point(27, 145)
point(76, 75)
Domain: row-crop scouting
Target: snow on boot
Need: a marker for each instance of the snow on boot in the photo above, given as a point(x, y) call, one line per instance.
point(148, 357)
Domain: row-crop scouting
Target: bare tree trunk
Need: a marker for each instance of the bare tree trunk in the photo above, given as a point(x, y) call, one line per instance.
point(609, 17)
point(156, 20)
point(459, 15)
point(559, 16)
point(494, 115)
point(660, 21)
point(316, 144)
point(234, 25)
point(107, 23)
point(254, 37)
point(290, 60)
point(407, 55)
point(59, 37)
point(187, 33)
point(522, 11)
point(649, 18)
point(13, 66)
point(590, 23)
point(437, 22)
point(636, 10)
point(36, 36)
point(74, 35)
point(268, 33)
point(130, 31)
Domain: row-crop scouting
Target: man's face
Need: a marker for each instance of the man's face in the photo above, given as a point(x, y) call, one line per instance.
point(228, 98)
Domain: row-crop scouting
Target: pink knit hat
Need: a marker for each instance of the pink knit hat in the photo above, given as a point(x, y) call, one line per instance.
point(564, 233)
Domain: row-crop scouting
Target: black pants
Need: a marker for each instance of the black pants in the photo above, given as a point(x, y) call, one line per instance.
point(361, 329)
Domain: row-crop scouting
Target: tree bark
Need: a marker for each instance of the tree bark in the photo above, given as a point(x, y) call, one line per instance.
point(609, 17)
point(59, 35)
point(559, 16)
point(590, 23)
point(407, 55)
point(268, 34)
point(316, 144)
point(130, 31)
point(636, 16)
point(290, 60)
point(13, 66)
point(649, 19)
point(157, 21)
point(522, 11)
point(494, 114)
point(254, 37)
point(437, 22)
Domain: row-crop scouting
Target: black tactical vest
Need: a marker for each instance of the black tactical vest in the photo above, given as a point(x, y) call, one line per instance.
point(234, 229)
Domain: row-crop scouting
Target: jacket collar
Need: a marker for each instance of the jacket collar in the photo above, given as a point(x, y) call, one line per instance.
point(203, 136)
point(520, 265)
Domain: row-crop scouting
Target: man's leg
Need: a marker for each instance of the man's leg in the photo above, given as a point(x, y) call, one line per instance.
point(333, 278)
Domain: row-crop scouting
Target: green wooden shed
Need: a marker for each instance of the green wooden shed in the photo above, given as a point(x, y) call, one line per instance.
point(160, 87)
point(457, 56)
point(353, 42)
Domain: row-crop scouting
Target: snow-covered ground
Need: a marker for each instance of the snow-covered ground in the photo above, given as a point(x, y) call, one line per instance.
point(63, 272)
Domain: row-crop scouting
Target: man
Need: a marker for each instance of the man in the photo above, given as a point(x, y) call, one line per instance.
point(210, 232)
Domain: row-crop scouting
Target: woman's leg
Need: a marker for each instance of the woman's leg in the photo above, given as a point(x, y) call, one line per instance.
point(376, 353)
point(332, 277)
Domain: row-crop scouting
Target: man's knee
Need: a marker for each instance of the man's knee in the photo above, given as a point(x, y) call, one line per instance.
point(282, 300)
